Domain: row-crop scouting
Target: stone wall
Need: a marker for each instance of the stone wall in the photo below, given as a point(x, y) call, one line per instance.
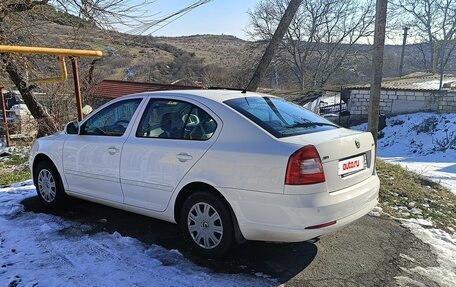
point(402, 101)
point(447, 104)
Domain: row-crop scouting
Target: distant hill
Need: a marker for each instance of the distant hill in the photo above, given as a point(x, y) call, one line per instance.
point(217, 60)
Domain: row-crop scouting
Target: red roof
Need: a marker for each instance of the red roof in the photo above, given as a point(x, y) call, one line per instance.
point(111, 89)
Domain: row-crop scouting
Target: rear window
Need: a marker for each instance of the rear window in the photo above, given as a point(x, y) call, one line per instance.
point(279, 117)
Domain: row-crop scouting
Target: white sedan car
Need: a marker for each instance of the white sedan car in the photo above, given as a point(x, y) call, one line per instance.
point(226, 166)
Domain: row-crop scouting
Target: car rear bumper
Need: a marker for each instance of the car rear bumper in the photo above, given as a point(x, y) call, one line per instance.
point(283, 218)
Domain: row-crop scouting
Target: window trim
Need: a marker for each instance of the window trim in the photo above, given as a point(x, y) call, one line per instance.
point(107, 105)
point(193, 105)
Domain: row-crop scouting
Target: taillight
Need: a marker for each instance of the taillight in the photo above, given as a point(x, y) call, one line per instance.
point(304, 167)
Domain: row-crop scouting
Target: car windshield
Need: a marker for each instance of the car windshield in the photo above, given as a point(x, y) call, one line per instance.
point(279, 117)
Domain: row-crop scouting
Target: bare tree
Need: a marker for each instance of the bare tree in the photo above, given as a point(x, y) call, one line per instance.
point(277, 37)
point(17, 21)
point(320, 36)
point(432, 22)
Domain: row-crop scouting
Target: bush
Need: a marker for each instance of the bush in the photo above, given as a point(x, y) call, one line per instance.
point(427, 126)
point(446, 142)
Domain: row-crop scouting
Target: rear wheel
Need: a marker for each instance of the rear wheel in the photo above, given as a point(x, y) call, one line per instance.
point(207, 225)
point(49, 185)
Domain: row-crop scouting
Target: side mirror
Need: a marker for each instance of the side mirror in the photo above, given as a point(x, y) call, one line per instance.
point(72, 128)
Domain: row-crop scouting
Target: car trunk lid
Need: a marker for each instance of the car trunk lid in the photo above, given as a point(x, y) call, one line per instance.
point(347, 156)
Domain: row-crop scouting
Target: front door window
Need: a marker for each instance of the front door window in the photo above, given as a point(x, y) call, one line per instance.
point(113, 120)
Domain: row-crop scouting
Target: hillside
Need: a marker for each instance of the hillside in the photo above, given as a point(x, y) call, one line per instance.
point(211, 60)
point(142, 58)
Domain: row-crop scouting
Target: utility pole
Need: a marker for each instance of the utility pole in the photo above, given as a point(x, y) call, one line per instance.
point(404, 42)
point(377, 66)
point(273, 44)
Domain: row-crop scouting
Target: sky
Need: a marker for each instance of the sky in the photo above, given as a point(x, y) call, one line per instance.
point(227, 17)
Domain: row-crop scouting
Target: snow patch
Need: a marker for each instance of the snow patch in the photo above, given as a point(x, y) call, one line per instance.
point(406, 257)
point(417, 142)
point(420, 221)
point(37, 250)
point(376, 212)
point(444, 246)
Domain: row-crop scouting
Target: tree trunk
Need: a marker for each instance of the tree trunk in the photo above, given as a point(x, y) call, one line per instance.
point(273, 45)
point(46, 124)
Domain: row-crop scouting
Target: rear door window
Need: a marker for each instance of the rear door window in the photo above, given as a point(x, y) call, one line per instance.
point(279, 117)
point(172, 119)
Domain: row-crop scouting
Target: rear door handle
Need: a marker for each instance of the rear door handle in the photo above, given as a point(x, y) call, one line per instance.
point(183, 157)
point(113, 150)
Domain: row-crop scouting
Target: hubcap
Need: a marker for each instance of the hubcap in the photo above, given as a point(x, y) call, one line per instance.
point(46, 185)
point(205, 225)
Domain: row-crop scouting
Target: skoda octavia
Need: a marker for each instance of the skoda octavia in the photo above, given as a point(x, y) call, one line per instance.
point(226, 166)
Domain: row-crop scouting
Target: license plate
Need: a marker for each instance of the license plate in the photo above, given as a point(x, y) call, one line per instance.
point(351, 165)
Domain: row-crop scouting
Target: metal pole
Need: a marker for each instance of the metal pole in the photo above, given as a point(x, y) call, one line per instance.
point(377, 67)
point(5, 119)
point(77, 87)
point(404, 42)
point(340, 104)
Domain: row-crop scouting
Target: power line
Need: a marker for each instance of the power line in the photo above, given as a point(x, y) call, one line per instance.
point(168, 19)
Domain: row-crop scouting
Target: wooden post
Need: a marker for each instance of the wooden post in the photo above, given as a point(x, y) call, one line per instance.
point(377, 67)
point(77, 87)
point(5, 119)
point(442, 68)
point(404, 43)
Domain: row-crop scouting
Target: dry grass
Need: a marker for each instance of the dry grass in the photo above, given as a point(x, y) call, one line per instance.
point(14, 168)
point(406, 194)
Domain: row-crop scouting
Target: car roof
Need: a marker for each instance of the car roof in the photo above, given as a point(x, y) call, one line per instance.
point(211, 94)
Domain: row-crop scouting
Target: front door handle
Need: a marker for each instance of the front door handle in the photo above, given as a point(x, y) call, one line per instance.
point(113, 150)
point(183, 157)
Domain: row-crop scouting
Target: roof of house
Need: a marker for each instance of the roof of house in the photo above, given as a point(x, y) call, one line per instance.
point(111, 89)
point(413, 82)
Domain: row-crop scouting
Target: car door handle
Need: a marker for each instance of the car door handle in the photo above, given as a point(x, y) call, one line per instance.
point(113, 150)
point(183, 157)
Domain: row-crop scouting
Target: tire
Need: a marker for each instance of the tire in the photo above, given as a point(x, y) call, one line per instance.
point(211, 238)
point(49, 185)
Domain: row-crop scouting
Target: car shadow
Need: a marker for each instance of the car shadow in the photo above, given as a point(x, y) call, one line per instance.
point(277, 261)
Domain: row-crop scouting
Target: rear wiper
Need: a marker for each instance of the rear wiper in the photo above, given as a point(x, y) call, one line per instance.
point(306, 125)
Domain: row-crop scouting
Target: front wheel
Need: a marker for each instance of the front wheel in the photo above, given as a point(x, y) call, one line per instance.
point(206, 223)
point(49, 185)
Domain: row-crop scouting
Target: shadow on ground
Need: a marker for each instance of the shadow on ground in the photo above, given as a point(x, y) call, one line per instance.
point(281, 261)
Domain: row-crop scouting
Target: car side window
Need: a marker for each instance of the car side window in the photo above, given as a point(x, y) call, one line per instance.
point(113, 120)
point(173, 119)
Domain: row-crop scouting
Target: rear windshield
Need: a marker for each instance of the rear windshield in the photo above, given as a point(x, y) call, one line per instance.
point(279, 117)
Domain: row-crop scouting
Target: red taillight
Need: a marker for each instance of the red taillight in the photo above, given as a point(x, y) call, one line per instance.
point(304, 167)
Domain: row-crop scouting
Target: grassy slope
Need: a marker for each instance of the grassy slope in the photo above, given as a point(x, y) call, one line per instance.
point(406, 194)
